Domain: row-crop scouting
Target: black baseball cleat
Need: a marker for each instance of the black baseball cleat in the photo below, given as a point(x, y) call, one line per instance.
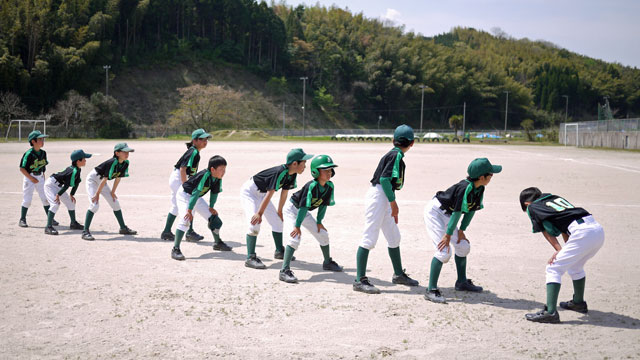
point(176, 254)
point(331, 266)
point(435, 296)
point(543, 316)
point(87, 236)
point(221, 246)
point(280, 255)
point(167, 235)
point(404, 279)
point(126, 231)
point(23, 223)
point(467, 286)
point(254, 262)
point(193, 236)
point(54, 222)
point(76, 226)
point(579, 307)
point(287, 276)
point(49, 230)
point(365, 286)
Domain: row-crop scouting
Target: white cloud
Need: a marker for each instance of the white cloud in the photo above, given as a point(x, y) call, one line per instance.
point(392, 14)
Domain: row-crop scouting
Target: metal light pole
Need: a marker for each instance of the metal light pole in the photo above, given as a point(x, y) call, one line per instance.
point(379, 119)
point(464, 117)
point(566, 107)
point(506, 110)
point(106, 76)
point(304, 90)
point(421, 106)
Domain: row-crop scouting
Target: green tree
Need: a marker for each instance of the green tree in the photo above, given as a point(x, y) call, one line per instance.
point(455, 122)
point(527, 126)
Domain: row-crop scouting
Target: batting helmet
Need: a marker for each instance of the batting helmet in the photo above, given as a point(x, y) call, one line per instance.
point(322, 162)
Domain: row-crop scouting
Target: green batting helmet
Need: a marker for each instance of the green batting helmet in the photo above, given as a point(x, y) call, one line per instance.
point(322, 162)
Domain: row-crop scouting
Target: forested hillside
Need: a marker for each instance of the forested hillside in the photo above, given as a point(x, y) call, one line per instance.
point(359, 70)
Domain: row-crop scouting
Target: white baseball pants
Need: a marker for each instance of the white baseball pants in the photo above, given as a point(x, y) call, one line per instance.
point(93, 182)
point(51, 188)
point(175, 184)
point(201, 208)
point(251, 198)
point(378, 217)
point(290, 214)
point(436, 221)
point(584, 242)
point(28, 187)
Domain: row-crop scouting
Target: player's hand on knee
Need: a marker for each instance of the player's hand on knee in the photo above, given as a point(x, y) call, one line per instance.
point(57, 199)
point(73, 199)
point(553, 258)
point(321, 227)
point(189, 216)
point(296, 232)
point(444, 243)
point(213, 212)
point(394, 210)
point(113, 196)
point(461, 236)
point(256, 219)
point(95, 198)
point(280, 215)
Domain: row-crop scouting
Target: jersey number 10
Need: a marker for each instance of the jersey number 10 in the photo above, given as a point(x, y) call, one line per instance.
point(559, 204)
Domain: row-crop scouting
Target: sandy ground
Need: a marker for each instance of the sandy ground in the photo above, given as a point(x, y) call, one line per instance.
point(124, 297)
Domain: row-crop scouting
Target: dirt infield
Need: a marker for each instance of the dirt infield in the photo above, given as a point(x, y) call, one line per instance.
point(124, 297)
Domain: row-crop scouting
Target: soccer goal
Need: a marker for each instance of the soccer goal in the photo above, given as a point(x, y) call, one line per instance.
point(24, 127)
point(568, 125)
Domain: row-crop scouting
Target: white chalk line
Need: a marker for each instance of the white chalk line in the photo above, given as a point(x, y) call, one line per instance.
point(617, 167)
point(349, 201)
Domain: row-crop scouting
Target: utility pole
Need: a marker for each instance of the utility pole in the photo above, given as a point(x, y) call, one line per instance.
point(566, 107)
point(421, 106)
point(379, 119)
point(304, 90)
point(464, 117)
point(283, 118)
point(506, 110)
point(107, 67)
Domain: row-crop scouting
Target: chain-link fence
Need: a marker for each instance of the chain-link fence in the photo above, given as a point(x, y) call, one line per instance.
point(617, 133)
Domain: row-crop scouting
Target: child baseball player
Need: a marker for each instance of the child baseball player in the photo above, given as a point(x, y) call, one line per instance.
point(583, 236)
point(441, 216)
point(190, 198)
point(381, 212)
point(316, 194)
point(115, 169)
point(32, 166)
point(56, 190)
point(186, 167)
point(255, 197)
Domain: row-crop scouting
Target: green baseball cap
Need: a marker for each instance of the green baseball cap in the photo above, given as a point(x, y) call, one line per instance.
point(297, 155)
point(122, 147)
point(481, 166)
point(79, 154)
point(36, 134)
point(403, 132)
point(200, 134)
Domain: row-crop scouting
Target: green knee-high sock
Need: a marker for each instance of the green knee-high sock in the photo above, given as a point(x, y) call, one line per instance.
point(434, 273)
point(394, 254)
point(361, 262)
point(23, 213)
point(46, 210)
point(553, 290)
point(216, 235)
point(251, 245)
point(170, 219)
point(72, 216)
point(461, 267)
point(118, 215)
point(277, 239)
point(179, 235)
point(50, 216)
point(578, 290)
point(325, 252)
point(87, 220)
point(288, 255)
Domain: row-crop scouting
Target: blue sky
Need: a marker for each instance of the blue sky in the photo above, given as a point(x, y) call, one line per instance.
point(607, 30)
